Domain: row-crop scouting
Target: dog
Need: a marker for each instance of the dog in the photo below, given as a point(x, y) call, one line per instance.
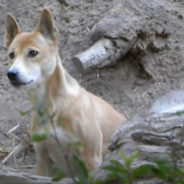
point(35, 63)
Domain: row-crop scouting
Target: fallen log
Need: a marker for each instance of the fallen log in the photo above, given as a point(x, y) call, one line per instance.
point(96, 56)
point(157, 134)
point(104, 52)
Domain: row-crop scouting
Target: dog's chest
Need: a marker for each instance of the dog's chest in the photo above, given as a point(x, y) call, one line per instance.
point(61, 147)
point(63, 137)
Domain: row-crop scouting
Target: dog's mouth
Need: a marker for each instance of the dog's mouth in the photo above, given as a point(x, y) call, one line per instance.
point(20, 83)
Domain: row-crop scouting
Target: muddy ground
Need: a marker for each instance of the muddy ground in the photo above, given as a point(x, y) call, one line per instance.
point(131, 86)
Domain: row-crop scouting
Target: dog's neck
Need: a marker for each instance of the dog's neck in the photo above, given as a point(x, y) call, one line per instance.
point(59, 87)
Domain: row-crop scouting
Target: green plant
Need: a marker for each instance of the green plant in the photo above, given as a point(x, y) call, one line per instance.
point(124, 172)
point(168, 171)
point(164, 170)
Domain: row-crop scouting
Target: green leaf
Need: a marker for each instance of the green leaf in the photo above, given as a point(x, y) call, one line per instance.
point(79, 144)
point(58, 174)
point(134, 155)
point(111, 168)
point(39, 137)
point(43, 121)
point(24, 113)
point(164, 169)
point(128, 160)
point(117, 171)
point(83, 173)
point(98, 182)
point(40, 111)
point(180, 113)
point(123, 156)
point(142, 170)
point(115, 166)
point(116, 176)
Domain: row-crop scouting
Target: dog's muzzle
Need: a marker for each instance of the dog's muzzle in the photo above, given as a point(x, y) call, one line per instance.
point(13, 76)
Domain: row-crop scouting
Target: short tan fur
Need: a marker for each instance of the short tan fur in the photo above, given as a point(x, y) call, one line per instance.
point(86, 118)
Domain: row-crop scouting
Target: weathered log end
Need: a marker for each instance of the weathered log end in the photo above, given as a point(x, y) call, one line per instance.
point(96, 56)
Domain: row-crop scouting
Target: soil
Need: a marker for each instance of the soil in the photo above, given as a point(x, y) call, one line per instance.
point(131, 86)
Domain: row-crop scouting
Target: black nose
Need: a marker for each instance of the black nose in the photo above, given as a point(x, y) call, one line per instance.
point(12, 75)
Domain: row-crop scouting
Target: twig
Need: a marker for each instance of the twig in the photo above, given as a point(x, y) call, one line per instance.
point(10, 169)
point(23, 145)
point(26, 178)
point(27, 166)
point(13, 129)
point(3, 151)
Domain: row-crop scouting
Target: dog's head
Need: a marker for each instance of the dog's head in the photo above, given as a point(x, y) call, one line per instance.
point(32, 56)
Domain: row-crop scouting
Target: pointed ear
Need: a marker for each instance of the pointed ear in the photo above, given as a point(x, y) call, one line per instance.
point(12, 28)
point(46, 26)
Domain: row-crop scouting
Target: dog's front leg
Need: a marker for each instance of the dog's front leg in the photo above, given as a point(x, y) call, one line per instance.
point(43, 165)
point(92, 160)
point(92, 153)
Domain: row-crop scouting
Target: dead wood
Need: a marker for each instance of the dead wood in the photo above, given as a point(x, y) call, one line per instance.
point(25, 178)
point(157, 134)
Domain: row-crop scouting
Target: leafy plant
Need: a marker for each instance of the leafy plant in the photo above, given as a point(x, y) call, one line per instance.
point(168, 172)
point(124, 172)
point(164, 170)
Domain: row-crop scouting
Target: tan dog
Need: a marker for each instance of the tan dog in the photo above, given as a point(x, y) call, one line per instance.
point(86, 118)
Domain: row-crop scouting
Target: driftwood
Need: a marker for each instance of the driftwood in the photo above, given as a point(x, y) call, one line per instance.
point(153, 137)
point(24, 178)
point(104, 52)
point(157, 134)
point(96, 56)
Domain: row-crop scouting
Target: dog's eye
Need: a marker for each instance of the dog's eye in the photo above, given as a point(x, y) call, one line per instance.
point(11, 55)
point(33, 53)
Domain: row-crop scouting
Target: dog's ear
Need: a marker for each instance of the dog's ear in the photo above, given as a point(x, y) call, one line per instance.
point(46, 26)
point(12, 29)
